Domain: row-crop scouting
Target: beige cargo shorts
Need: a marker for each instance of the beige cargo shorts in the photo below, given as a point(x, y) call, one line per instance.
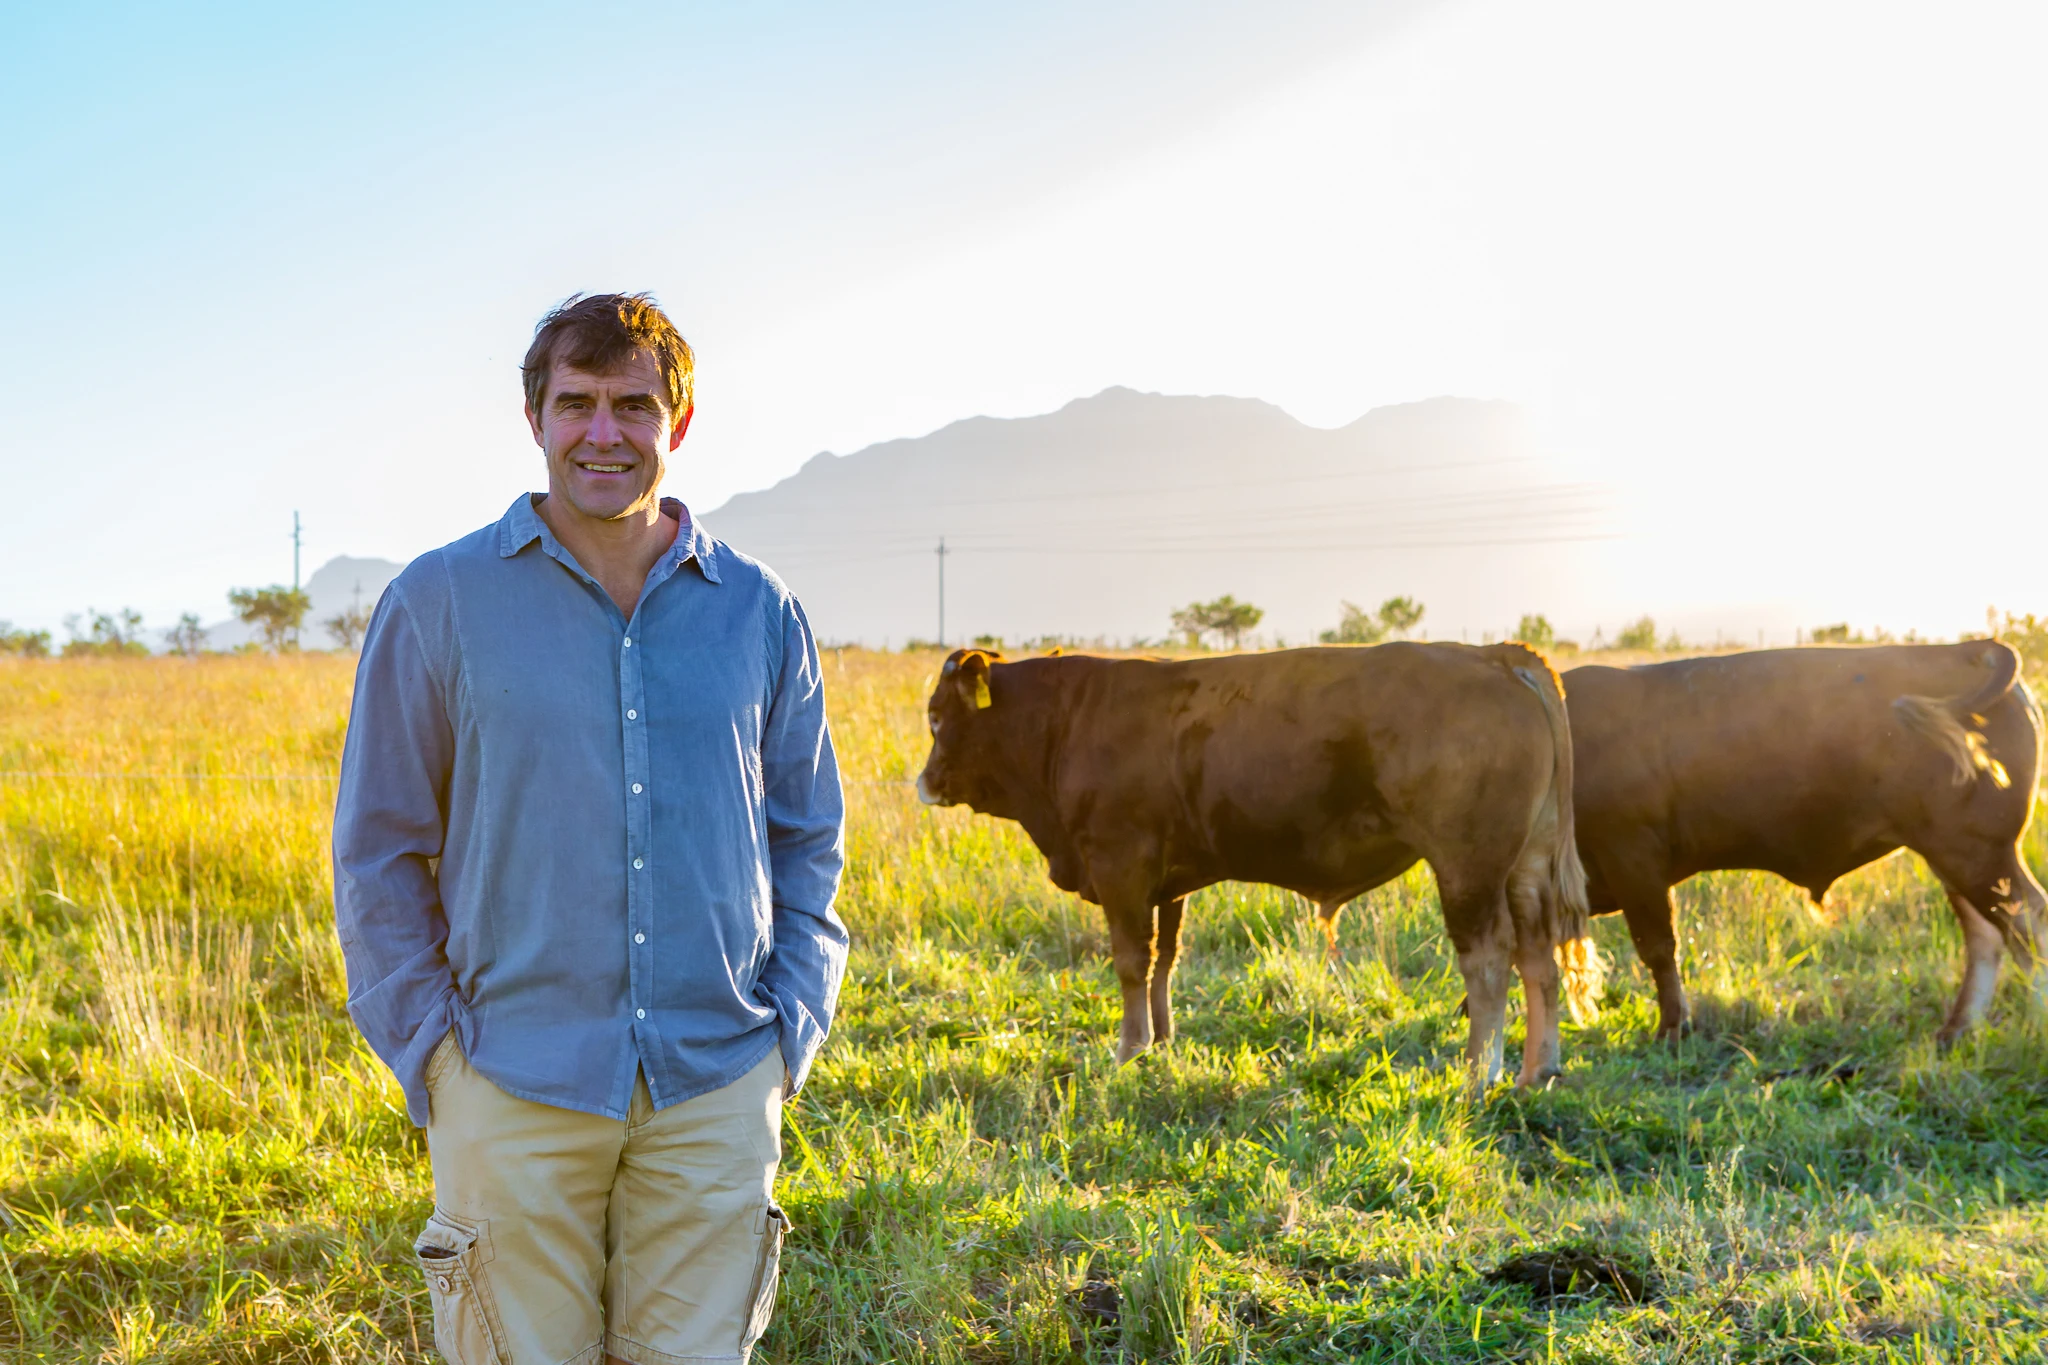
point(559, 1238)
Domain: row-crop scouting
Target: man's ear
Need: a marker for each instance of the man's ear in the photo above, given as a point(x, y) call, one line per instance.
point(533, 425)
point(675, 438)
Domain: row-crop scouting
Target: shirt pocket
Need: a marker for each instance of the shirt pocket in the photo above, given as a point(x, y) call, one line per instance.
point(452, 1254)
point(766, 1275)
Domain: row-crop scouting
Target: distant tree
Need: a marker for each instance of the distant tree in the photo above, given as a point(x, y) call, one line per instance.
point(1535, 631)
point(1640, 633)
point(23, 644)
point(188, 637)
point(1226, 618)
point(1673, 643)
point(1401, 615)
point(1836, 634)
point(988, 642)
point(1355, 626)
point(275, 612)
point(347, 625)
point(106, 634)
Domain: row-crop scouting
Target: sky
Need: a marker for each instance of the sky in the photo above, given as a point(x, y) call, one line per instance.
point(1771, 272)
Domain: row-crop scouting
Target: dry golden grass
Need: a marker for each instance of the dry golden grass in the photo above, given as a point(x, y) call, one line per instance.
point(199, 1162)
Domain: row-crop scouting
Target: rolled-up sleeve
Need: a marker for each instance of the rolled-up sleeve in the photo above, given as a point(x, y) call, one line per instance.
point(390, 820)
point(806, 850)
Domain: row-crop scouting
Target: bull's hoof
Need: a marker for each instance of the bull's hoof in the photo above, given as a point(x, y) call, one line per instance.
point(1542, 1080)
point(1946, 1040)
point(1674, 1034)
point(1126, 1054)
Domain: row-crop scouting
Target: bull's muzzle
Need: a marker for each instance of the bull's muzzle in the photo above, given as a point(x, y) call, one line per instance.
point(925, 794)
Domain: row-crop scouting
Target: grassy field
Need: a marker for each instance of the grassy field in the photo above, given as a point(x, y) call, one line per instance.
point(199, 1161)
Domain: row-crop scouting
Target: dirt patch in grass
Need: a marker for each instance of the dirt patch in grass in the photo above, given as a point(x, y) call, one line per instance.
point(1574, 1273)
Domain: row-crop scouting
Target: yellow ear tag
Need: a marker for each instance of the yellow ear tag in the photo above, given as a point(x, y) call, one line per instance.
point(982, 700)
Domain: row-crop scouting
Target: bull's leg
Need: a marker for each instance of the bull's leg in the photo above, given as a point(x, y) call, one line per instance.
point(1483, 934)
point(1536, 962)
point(2026, 932)
point(1981, 948)
point(1164, 953)
point(1130, 948)
point(1998, 903)
point(2020, 914)
point(1650, 917)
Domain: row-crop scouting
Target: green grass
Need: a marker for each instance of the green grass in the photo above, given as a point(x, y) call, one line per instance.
point(199, 1161)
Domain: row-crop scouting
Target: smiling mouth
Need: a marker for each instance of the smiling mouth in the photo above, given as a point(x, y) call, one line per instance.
point(603, 468)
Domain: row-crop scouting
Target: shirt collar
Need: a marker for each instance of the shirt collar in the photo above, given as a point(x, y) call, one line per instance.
point(521, 526)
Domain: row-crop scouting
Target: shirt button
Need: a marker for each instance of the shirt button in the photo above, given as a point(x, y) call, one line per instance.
point(639, 1014)
point(632, 715)
point(629, 642)
point(636, 789)
point(636, 864)
point(639, 938)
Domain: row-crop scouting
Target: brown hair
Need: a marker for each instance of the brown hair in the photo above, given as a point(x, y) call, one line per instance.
point(600, 333)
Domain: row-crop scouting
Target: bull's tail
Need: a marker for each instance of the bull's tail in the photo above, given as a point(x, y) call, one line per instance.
point(1952, 724)
point(1568, 914)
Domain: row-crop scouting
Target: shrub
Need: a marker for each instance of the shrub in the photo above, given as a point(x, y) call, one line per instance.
point(1640, 633)
point(1355, 626)
point(1395, 618)
point(188, 637)
point(1536, 632)
point(23, 644)
point(110, 635)
point(346, 627)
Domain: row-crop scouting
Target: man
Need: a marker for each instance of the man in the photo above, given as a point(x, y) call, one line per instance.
point(586, 847)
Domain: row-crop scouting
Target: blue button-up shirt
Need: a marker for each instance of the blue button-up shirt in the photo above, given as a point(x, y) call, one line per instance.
point(590, 845)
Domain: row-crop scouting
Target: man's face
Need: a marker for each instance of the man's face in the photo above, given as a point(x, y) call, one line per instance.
point(604, 436)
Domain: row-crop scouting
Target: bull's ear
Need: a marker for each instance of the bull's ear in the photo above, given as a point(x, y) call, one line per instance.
point(973, 671)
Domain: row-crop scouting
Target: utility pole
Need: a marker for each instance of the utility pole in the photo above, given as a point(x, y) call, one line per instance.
point(295, 570)
point(942, 592)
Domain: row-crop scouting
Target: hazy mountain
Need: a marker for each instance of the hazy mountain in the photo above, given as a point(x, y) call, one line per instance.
point(334, 586)
point(1099, 519)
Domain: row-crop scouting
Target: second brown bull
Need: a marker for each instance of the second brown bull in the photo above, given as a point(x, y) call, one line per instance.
point(1324, 771)
point(1810, 763)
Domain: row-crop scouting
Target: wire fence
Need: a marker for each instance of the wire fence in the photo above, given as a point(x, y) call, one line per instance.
point(27, 773)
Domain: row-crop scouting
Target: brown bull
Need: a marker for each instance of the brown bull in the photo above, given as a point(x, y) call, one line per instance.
point(1325, 771)
point(1810, 763)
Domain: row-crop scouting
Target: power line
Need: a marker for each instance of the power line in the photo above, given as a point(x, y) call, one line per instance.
point(1550, 502)
point(1213, 546)
point(1155, 490)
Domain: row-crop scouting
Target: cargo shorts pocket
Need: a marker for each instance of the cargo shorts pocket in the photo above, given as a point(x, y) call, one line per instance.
point(438, 1060)
point(452, 1253)
point(765, 1276)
